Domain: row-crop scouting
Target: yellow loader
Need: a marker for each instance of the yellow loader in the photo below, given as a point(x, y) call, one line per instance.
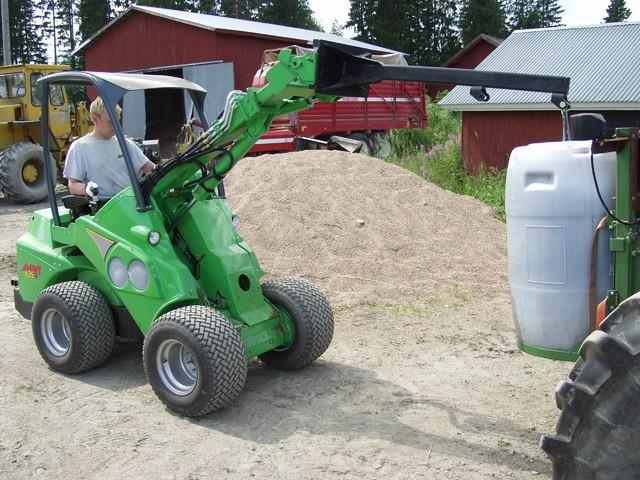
point(22, 176)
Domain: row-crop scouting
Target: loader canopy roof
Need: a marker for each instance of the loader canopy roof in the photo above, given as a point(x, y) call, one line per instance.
point(115, 85)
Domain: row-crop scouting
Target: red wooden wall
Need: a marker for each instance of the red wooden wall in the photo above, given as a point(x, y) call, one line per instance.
point(489, 137)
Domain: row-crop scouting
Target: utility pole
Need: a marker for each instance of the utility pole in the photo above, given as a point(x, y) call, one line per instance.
point(6, 38)
point(55, 40)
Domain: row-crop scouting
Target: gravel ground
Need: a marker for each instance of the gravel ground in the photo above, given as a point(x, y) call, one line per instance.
point(423, 379)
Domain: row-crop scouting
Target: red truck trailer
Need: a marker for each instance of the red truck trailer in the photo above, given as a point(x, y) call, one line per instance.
point(391, 104)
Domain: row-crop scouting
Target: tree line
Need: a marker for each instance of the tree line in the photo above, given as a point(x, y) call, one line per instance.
point(430, 31)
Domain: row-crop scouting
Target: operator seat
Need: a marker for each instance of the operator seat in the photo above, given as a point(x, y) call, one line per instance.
point(80, 205)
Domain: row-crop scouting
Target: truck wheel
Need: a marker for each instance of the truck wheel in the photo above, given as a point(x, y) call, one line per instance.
point(598, 431)
point(194, 359)
point(22, 175)
point(312, 319)
point(73, 327)
point(366, 142)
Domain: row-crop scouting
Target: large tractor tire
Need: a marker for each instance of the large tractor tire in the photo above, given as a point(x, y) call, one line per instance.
point(73, 327)
point(598, 432)
point(22, 175)
point(195, 360)
point(312, 320)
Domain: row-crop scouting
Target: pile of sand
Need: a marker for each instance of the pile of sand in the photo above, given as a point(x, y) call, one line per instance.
point(364, 230)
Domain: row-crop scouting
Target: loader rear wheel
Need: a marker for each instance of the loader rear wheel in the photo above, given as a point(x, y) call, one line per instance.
point(194, 359)
point(22, 175)
point(598, 431)
point(312, 319)
point(73, 327)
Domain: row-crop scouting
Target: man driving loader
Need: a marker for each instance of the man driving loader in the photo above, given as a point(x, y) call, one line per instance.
point(95, 165)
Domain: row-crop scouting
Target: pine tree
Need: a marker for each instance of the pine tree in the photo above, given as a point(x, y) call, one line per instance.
point(292, 13)
point(25, 37)
point(184, 5)
point(523, 14)
point(336, 28)
point(447, 31)
point(361, 13)
point(59, 22)
point(245, 9)
point(389, 24)
point(93, 15)
point(431, 35)
point(617, 11)
point(426, 30)
point(549, 13)
point(482, 16)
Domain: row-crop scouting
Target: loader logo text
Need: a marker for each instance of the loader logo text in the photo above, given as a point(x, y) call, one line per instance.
point(31, 271)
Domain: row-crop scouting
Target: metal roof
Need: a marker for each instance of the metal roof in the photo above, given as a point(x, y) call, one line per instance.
point(602, 61)
point(213, 22)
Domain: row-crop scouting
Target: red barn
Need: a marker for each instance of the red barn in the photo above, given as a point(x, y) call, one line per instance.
point(468, 57)
point(146, 37)
point(600, 61)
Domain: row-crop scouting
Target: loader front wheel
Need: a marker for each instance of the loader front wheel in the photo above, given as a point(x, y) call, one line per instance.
point(22, 175)
point(73, 327)
point(598, 431)
point(194, 360)
point(312, 320)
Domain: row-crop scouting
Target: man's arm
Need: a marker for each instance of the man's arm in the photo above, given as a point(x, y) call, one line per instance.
point(76, 187)
point(147, 167)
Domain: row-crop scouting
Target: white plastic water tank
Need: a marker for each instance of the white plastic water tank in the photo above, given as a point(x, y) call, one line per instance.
point(552, 211)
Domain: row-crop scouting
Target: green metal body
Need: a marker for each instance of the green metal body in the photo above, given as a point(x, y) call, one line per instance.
point(570, 356)
point(624, 243)
point(200, 258)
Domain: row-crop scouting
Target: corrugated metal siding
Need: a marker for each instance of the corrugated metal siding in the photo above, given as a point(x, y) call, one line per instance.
point(144, 41)
point(601, 60)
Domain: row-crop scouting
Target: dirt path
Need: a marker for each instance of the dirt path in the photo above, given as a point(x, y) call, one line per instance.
point(423, 379)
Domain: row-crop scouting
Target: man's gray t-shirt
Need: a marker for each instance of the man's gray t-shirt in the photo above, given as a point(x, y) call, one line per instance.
point(91, 159)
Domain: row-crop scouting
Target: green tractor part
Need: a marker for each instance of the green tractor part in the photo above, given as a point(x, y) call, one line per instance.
point(163, 259)
point(598, 431)
point(22, 172)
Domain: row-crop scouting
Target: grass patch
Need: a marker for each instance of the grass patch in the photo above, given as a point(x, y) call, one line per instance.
point(435, 154)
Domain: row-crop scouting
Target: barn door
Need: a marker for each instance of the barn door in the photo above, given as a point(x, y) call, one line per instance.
point(217, 80)
point(134, 117)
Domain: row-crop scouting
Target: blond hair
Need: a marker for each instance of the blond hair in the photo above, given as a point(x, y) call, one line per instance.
point(97, 108)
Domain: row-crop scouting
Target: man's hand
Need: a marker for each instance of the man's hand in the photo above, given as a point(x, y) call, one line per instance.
point(92, 191)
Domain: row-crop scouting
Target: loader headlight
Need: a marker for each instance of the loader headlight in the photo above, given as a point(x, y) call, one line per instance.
point(138, 274)
point(235, 220)
point(118, 272)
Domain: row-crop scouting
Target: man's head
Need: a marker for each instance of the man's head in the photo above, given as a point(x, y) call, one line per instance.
point(102, 126)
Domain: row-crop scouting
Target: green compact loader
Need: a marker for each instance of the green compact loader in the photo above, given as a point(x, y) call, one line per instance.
point(163, 259)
